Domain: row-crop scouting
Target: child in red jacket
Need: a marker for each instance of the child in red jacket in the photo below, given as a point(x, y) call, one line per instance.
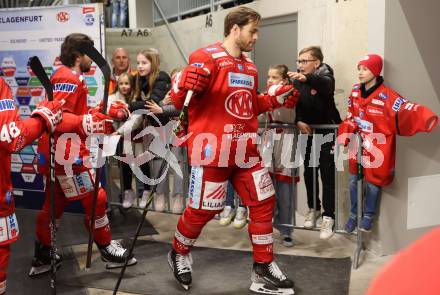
point(378, 113)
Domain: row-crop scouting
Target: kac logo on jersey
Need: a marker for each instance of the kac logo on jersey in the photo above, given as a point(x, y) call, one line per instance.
point(64, 87)
point(241, 80)
point(239, 104)
point(398, 104)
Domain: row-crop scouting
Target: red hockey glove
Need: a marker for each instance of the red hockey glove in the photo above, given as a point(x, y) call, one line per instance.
point(194, 78)
point(346, 128)
point(118, 111)
point(51, 113)
point(278, 94)
point(291, 101)
point(97, 123)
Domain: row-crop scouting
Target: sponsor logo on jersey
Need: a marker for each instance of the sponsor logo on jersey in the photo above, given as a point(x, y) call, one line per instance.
point(214, 195)
point(13, 226)
point(262, 239)
point(207, 151)
point(225, 63)
point(239, 104)
point(383, 96)
point(263, 184)
point(378, 102)
point(64, 87)
point(251, 67)
point(8, 197)
point(219, 54)
point(364, 125)
point(240, 80)
point(355, 94)
point(198, 64)
point(240, 67)
point(211, 49)
point(398, 104)
point(195, 187)
point(63, 16)
point(7, 105)
point(374, 111)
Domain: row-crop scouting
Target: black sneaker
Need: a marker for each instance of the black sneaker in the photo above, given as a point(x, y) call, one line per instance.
point(181, 267)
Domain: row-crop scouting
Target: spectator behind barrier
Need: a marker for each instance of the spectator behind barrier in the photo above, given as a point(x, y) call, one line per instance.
point(121, 64)
point(374, 107)
point(316, 84)
point(151, 84)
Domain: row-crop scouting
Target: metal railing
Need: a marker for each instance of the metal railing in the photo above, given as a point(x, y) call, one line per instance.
point(176, 10)
point(360, 239)
point(358, 233)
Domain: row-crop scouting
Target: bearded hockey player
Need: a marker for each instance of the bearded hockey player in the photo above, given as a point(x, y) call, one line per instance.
point(223, 125)
point(375, 110)
point(15, 134)
point(69, 85)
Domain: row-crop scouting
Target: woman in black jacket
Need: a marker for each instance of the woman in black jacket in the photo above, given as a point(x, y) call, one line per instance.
point(316, 105)
point(151, 84)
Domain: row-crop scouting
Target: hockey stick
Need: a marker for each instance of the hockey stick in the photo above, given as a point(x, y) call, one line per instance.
point(37, 68)
point(182, 117)
point(94, 54)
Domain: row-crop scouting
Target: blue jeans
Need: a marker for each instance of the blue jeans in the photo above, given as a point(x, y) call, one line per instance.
point(371, 197)
point(283, 207)
point(230, 196)
point(120, 10)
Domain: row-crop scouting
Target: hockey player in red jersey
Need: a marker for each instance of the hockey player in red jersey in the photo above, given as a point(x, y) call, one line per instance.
point(379, 113)
point(222, 146)
point(69, 85)
point(15, 134)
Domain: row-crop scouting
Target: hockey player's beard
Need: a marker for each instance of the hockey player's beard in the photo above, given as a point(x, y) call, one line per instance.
point(85, 66)
point(244, 45)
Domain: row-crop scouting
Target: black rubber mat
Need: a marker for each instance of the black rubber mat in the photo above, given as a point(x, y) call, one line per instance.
point(215, 271)
point(72, 232)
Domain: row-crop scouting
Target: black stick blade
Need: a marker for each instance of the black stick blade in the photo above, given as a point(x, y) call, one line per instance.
point(37, 68)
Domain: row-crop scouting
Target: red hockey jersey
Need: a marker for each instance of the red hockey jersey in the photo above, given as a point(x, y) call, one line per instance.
point(383, 112)
point(70, 87)
point(14, 135)
point(223, 119)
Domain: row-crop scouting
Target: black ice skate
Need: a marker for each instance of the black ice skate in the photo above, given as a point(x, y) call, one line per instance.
point(267, 278)
point(181, 266)
point(41, 261)
point(114, 254)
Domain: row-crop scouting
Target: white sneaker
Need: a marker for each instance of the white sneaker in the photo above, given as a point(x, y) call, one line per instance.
point(240, 219)
point(227, 215)
point(159, 202)
point(144, 199)
point(178, 205)
point(128, 199)
point(327, 230)
point(311, 218)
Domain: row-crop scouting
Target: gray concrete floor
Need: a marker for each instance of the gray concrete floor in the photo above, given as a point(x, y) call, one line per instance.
point(307, 243)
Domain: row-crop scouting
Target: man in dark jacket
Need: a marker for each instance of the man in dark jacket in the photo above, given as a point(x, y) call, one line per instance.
point(316, 84)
